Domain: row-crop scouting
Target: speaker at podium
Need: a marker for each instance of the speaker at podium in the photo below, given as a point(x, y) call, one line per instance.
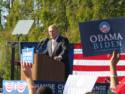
point(45, 68)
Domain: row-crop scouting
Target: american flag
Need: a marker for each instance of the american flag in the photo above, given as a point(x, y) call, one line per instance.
point(96, 65)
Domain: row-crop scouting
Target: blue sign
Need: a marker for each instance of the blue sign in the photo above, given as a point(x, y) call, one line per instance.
point(15, 87)
point(20, 87)
point(27, 55)
point(103, 36)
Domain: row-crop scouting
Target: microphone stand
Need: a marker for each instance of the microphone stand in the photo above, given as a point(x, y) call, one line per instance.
point(41, 44)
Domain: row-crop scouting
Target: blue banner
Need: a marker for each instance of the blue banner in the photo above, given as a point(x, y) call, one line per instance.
point(20, 87)
point(56, 86)
point(103, 36)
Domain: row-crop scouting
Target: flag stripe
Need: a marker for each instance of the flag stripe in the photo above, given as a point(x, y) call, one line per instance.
point(96, 62)
point(77, 45)
point(95, 68)
point(98, 73)
point(99, 57)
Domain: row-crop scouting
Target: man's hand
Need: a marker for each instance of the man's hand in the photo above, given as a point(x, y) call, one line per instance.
point(26, 67)
point(58, 58)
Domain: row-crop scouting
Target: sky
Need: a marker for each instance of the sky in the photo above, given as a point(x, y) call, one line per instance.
point(4, 13)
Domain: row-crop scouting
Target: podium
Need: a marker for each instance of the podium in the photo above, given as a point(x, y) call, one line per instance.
point(45, 68)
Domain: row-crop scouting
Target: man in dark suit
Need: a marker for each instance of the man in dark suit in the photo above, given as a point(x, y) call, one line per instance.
point(57, 47)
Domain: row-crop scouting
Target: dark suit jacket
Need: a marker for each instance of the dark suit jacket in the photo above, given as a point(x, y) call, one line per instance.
point(61, 48)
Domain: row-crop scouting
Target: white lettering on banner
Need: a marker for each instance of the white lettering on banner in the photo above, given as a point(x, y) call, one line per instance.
point(52, 86)
point(100, 88)
point(60, 86)
point(106, 37)
point(106, 45)
point(106, 41)
point(27, 53)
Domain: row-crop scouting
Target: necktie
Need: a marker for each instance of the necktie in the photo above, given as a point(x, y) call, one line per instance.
point(53, 45)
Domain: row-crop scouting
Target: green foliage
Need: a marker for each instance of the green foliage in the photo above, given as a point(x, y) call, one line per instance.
point(14, 15)
point(4, 58)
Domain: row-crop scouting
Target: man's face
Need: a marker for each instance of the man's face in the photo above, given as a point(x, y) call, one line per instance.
point(53, 32)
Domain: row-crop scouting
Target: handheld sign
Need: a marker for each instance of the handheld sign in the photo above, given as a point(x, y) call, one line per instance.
point(27, 55)
point(103, 36)
point(79, 84)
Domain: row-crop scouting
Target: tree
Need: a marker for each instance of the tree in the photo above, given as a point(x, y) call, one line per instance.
point(4, 57)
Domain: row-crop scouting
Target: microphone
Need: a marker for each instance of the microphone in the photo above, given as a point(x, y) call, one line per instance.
point(42, 43)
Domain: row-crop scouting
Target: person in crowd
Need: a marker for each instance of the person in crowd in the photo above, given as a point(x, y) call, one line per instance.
point(26, 69)
point(56, 47)
point(44, 90)
point(31, 86)
point(116, 87)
